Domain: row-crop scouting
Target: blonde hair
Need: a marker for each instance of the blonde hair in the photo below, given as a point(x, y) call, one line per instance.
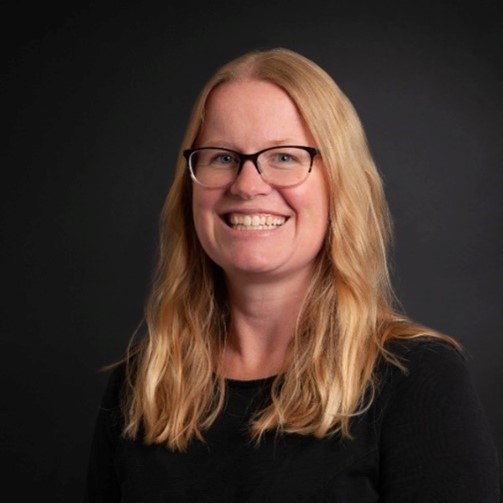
point(174, 392)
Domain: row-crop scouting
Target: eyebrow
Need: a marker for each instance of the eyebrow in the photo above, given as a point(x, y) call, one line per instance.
point(275, 143)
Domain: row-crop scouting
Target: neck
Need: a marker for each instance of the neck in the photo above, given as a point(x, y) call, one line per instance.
point(263, 319)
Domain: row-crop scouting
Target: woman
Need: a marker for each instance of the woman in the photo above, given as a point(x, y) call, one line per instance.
point(274, 367)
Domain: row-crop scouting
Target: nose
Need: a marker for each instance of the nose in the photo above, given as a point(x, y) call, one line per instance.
point(249, 183)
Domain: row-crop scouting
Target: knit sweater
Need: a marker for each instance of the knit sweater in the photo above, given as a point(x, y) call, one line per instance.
point(424, 439)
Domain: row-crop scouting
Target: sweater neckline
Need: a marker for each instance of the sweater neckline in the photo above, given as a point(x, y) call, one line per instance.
point(251, 383)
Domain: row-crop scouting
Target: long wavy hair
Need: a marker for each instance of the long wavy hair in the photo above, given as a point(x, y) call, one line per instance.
point(174, 390)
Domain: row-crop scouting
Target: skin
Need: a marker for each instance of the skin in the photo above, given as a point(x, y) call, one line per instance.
point(267, 271)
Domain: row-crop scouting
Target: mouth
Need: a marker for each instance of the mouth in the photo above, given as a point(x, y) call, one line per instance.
point(256, 222)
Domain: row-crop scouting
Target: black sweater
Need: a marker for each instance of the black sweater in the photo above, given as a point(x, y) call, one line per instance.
point(424, 439)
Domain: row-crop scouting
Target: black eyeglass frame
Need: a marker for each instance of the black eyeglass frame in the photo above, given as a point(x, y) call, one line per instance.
point(312, 151)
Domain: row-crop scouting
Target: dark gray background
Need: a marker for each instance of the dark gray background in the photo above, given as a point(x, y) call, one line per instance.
point(95, 101)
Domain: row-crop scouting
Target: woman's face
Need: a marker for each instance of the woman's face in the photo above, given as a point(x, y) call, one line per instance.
point(248, 116)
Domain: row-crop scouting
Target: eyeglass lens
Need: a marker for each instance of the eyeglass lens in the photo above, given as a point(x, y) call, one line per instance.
point(280, 166)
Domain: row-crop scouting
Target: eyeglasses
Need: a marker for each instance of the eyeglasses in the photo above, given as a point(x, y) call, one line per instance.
point(283, 166)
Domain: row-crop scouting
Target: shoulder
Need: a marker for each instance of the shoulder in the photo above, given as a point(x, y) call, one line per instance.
point(121, 375)
point(114, 387)
point(432, 371)
point(418, 348)
point(434, 435)
point(425, 358)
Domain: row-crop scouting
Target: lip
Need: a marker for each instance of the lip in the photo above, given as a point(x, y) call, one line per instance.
point(225, 217)
point(255, 211)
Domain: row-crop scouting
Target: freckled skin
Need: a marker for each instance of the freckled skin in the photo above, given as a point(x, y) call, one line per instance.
point(248, 116)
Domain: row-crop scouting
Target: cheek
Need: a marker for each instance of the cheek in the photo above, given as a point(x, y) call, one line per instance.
point(314, 204)
point(203, 204)
point(321, 197)
point(316, 225)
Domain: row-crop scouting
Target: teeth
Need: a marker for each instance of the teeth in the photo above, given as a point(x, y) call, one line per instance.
point(255, 222)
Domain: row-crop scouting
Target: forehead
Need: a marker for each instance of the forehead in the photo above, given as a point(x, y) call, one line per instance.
point(256, 109)
point(251, 95)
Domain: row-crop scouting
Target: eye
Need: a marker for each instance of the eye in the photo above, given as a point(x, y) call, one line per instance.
point(215, 158)
point(283, 158)
point(223, 159)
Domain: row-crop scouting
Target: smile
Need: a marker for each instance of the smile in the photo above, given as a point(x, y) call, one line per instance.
point(254, 222)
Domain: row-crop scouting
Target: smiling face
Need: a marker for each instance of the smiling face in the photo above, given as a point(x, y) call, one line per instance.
point(250, 227)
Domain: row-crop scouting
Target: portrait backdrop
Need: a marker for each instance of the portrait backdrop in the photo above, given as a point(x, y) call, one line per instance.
point(95, 99)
